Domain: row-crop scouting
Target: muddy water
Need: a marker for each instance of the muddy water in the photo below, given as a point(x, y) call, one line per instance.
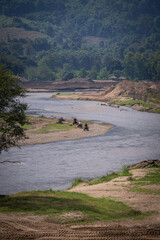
point(135, 137)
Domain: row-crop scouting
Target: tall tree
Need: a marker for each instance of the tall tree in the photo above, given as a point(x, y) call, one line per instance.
point(129, 65)
point(12, 115)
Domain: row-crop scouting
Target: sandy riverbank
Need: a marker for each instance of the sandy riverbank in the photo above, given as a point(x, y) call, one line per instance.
point(28, 226)
point(121, 189)
point(55, 136)
point(134, 95)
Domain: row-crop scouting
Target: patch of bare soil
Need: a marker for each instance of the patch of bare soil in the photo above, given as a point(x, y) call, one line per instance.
point(95, 40)
point(19, 33)
point(136, 90)
point(18, 226)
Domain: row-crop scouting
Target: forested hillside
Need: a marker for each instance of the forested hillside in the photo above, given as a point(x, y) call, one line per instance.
point(56, 40)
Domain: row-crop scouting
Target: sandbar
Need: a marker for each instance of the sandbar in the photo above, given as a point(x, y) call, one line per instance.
point(95, 129)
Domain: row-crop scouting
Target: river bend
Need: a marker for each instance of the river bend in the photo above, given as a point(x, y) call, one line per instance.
point(134, 138)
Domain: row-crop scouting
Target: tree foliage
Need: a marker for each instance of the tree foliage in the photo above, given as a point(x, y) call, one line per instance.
point(12, 115)
point(87, 34)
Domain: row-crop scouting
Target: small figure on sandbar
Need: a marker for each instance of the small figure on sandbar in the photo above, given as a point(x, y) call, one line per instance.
point(86, 128)
point(75, 121)
point(80, 124)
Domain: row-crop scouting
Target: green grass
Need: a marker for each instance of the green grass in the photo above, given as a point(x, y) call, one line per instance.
point(55, 203)
point(150, 179)
point(156, 110)
point(27, 126)
point(77, 182)
point(106, 178)
point(54, 128)
point(153, 98)
point(125, 171)
point(145, 105)
point(109, 177)
point(59, 127)
point(149, 191)
point(133, 102)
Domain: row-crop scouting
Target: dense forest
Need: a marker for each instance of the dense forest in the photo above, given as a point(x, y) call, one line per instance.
point(54, 40)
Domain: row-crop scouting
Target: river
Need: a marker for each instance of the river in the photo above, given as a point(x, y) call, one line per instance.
point(134, 138)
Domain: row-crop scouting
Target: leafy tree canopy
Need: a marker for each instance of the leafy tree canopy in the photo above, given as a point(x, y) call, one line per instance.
point(12, 115)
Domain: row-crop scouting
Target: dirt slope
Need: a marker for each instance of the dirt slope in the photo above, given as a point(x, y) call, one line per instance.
point(148, 92)
point(137, 90)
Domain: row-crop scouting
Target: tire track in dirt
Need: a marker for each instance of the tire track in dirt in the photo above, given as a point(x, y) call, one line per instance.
point(14, 228)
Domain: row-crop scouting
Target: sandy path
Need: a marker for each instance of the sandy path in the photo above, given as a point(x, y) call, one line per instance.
point(39, 138)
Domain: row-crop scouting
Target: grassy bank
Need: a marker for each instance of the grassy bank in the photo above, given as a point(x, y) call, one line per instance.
point(152, 178)
point(150, 106)
point(107, 178)
point(54, 128)
point(45, 125)
point(136, 185)
point(66, 207)
point(132, 102)
point(57, 204)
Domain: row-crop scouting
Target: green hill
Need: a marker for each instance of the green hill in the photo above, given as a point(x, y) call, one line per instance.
point(61, 39)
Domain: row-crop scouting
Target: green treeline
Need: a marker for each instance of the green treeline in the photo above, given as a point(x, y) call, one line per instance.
point(60, 39)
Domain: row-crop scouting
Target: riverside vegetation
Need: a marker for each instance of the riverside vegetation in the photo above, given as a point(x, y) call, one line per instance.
point(55, 204)
point(45, 125)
